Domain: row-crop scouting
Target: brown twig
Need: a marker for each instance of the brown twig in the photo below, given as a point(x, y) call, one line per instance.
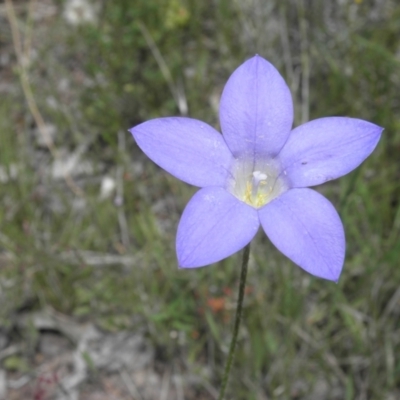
point(23, 63)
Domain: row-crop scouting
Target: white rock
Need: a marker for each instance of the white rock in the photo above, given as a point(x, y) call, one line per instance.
point(107, 187)
point(77, 12)
point(3, 385)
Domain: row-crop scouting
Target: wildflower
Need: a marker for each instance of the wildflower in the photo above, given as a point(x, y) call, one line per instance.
point(258, 172)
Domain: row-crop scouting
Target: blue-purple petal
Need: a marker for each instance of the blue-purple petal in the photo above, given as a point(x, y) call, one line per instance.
point(256, 110)
point(306, 228)
point(213, 226)
point(327, 148)
point(187, 148)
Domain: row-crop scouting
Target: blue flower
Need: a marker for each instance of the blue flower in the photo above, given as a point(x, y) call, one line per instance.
point(258, 173)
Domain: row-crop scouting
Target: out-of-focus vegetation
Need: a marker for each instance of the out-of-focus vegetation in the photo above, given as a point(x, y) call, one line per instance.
point(110, 258)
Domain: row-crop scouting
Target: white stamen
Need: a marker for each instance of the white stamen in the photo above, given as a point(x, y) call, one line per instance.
point(257, 178)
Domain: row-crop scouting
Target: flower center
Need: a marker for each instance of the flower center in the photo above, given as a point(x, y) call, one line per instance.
point(258, 184)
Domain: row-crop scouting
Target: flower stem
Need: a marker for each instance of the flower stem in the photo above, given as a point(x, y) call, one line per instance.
point(238, 316)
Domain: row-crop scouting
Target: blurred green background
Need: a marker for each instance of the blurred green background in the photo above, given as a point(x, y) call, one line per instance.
point(88, 223)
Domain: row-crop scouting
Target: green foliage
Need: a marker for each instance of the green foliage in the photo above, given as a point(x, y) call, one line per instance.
point(14, 363)
point(122, 51)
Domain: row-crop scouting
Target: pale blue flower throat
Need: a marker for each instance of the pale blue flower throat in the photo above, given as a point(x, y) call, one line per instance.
point(256, 184)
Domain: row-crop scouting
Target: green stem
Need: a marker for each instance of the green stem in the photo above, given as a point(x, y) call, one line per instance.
point(238, 316)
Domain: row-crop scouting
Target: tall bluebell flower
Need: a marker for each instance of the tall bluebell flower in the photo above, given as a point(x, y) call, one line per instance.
point(258, 172)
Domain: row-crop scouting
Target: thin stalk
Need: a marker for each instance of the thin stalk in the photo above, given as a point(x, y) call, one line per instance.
point(238, 317)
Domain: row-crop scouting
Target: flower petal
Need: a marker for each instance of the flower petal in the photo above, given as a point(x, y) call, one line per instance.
point(187, 148)
point(213, 226)
point(327, 148)
point(256, 110)
point(305, 227)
